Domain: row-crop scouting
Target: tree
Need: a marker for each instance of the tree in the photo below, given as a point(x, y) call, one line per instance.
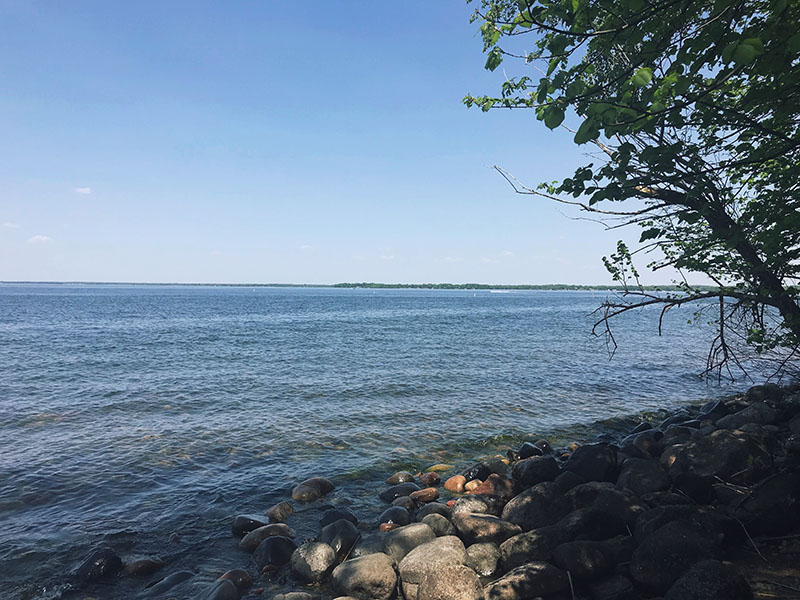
point(692, 111)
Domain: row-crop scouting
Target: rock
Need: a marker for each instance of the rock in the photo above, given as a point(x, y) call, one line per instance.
point(772, 506)
point(312, 489)
point(430, 479)
point(455, 484)
point(439, 467)
point(710, 580)
point(432, 508)
point(295, 596)
point(496, 485)
point(340, 535)
point(475, 528)
point(538, 506)
point(240, 578)
point(273, 552)
point(368, 544)
point(530, 471)
point(714, 410)
point(244, 524)
point(615, 587)
point(101, 563)
point(712, 526)
point(528, 581)
point(221, 589)
point(431, 556)
point(666, 554)
point(592, 524)
point(679, 416)
point(425, 495)
point(473, 484)
point(370, 577)
point(642, 476)
point(758, 412)
point(646, 444)
point(654, 499)
point(400, 477)
point(145, 566)
point(537, 545)
point(478, 503)
point(568, 480)
point(620, 504)
point(313, 561)
point(544, 446)
point(388, 526)
point(594, 462)
point(334, 514)
point(482, 470)
point(395, 514)
point(451, 582)
point(401, 541)
point(583, 559)
point(643, 426)
point(483, 558)
point(251, 541)
point(160, 587)
point(528, 449)
point(396, 491)
point(440, 525)
point(405, 502)
point(280, 512)
point(768, 391)
point(720, 454)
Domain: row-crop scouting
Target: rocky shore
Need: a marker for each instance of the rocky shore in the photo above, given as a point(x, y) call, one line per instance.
point(702, 505)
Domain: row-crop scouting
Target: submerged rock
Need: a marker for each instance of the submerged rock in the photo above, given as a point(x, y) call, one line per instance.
point(244, 524)
point(251, 541)
point(312, 489)
point(221, 589)
point(400, 477)
point(396, 491)
point(101, 563)
point(273, 552)
point(280, 512)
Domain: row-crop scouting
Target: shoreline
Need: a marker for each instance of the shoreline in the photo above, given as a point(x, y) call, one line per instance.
point(699, 472)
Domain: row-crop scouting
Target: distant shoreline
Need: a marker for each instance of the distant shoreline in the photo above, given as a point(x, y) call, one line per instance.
point(371, 285)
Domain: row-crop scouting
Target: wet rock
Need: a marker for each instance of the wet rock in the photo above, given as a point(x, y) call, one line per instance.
point(395, 514)
point(544, 446)
point(594, 462)
point(643, 426)
point(455, 484)
point(221, 589)
point(475, 528)
point(483, 469)
point(334, 514)
point(431, 556)
point(240, 578)
point(432, 508)
point(251, 541)
point(388, 526)
point(396, 491)
point(370, 577)
point(101, 563)
point(439, 467)
point(768, 391)
point(710, 580)
point(430, 479)
point(483, 558)
point(451, 582)
point(528, 581)
point(584, 559)
point(162, 586)
point(400, 477)
point(537, 545)
point(478, 503)
point(666, 554)
point(312, 489)
point(528, 449)
point(425, 495)
point(244, 524)
point(473, 484)
point(642, 476)
point(440, 525)
point(758, 412)
point(496, 485)
point(679, 416)
point(538, 506)
point(295, 596)
point(273, 552)
point(714, 410)
point(340, 535)
point(401, 541)
point(145, 566)
point(368, 544)
point(313, 561)
point(530, 471)
point(720, 454)
point(280, 512)
point(405, 502)
point(615, 587)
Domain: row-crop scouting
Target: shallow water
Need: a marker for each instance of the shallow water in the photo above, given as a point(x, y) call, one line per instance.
point(129, 413)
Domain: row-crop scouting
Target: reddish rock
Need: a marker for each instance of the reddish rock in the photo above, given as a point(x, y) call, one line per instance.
point(426, 495)
point(496, 485)
point(388, 526)
point(471, 485)
point(430, 479)
point(455, 484)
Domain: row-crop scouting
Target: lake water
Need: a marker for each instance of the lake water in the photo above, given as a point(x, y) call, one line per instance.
point(146, 417)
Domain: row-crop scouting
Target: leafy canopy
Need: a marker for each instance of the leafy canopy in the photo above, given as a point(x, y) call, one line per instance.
point(693, 108)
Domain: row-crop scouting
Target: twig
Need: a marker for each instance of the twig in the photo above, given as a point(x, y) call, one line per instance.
point(747, 533)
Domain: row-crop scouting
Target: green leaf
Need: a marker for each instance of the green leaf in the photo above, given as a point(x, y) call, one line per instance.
point(494, 59)
point(793, 44)
point(588, 131)
point(553, 116)
point(747, 50)
point(649, 234)
point(642, 77)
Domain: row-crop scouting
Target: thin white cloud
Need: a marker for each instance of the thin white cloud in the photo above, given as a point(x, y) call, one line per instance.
point(306, 247)
point(507, 253)
point(40, 239)
point(488, 261)
point(83, 190)
point(387, 257)
point(452, 259)
point(11, 225)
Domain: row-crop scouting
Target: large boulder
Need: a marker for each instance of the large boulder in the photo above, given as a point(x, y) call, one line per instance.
point(538, 544)
point(368, 544)
point(340, 535)
point(221, 589)
point(642, 476)
point(440, 525)
point(273, 552)
point(431, 556)
point(395, 514)
point(312, 489)
point(720, 454)
point(244, 524)
point(401, 541)
point(334, 514)
point(101, 563)
point(530, 471)
point(312, 561)
point(710, 580)
point(758, 412)
point(399, 490)
point(584, 559)
point(594, 462)
point(538, 506)
point(251, 541)
point(483, 558)
point(474, 528)
point(479, 503)
point(451, 582)
point(528, 581)
point(370, 577)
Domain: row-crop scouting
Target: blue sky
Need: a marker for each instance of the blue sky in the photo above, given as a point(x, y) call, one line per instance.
point(271, 142)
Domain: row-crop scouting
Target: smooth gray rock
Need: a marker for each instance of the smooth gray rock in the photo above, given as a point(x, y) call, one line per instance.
point(483, 558)
point(537, 545)
point(642, 476)
point(450, 582)
point(538, 506)
point(758, 412)
point(368, 544)
point(430, 556)
point(533, 470)
point(474, 528)
point(221, 589)
point(312, 489)
point(584, 559)
point(440, 525)
point(369, 577)
point(401, 541)
point(340, 535)
point(531, 580)
point(478, 503)
point(594, 462)
point(312, 561)
point(273, 552)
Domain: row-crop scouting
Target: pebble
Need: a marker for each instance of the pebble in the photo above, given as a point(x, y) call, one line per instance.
point(430, 479)
point(471, 485)
point(425, 495)
point(455, 484)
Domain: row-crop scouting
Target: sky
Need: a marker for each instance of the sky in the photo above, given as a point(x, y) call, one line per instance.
point(272, 142)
